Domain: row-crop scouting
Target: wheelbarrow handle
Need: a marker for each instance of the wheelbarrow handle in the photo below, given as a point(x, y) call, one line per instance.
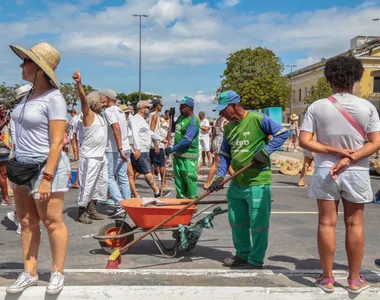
point(237, 173)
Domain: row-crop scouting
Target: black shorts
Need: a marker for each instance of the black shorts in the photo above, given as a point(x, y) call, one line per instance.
point(143, 164)
point(158, 159)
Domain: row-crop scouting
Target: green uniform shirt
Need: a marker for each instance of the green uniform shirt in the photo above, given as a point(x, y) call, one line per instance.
point(187, 129)
point(246, 138)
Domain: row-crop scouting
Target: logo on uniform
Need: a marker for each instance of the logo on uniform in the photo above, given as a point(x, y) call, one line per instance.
point(240, 143)
point(247, 133)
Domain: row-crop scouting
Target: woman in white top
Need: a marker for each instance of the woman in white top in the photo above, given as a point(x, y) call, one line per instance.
point(293, 132)
point(92, 160)
point(341, 166)
point(216, 143)
point(40, 121)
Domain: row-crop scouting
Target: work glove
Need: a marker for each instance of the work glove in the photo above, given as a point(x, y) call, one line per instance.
point(216, 184)
point(260, 160)
point(172, 111)
point(168, 150)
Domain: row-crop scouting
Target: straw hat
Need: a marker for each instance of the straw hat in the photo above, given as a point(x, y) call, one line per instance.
point(43, 55)
point(294, 117)
point(290, 168)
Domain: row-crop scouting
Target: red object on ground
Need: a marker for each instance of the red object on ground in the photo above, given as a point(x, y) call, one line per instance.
point(150, 216)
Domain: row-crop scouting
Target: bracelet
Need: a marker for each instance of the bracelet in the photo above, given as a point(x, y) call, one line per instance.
point(48, 177)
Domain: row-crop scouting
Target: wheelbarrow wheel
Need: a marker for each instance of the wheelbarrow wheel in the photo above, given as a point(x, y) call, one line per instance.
point(114, 228)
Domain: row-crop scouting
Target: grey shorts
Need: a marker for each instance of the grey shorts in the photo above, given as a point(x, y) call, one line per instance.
point(353, 186)
point(62, 174)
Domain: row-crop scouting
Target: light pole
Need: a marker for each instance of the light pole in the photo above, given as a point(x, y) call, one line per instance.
point(140, 16)
point(291, 85)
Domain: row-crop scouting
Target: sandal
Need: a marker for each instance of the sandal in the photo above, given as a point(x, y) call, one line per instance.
point(321, 283)
point(361, 283)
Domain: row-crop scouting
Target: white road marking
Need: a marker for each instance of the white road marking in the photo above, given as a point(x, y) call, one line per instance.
point(188, 292)
point(288, 212)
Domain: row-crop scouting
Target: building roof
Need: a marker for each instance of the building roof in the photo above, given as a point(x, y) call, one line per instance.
point(360, 51)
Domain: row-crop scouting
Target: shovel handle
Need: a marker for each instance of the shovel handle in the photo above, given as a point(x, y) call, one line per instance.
point(181, 210)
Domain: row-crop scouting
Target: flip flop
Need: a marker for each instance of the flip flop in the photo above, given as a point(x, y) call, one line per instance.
point(321, 282)
point(302, 185)
point(361, 283)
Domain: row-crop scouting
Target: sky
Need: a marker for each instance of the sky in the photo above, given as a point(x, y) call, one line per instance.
point(185, 43)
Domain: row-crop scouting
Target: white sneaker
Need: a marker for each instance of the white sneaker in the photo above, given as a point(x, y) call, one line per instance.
point(23, 281)
point(56, 283)
point(13, 217)
point(18, 231)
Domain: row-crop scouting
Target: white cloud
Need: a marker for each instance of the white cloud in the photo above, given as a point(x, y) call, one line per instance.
point(307, 61)
point(200, 92)
point(19, 2)
point(173, 95)
point(229, 3)
point(203, 98)
point(369, 3)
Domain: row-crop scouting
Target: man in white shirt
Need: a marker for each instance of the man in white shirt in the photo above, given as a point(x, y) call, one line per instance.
point(117, 151)
point(74, 144)
point(204, 138)
point(142, 139)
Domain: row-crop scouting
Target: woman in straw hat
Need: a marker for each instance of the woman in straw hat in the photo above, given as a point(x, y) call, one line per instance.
point(293, 132)
point(40, 122)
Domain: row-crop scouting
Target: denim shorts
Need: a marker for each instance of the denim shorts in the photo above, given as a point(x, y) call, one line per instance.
point(143, 164)
point(62, 174)
point(158, 159)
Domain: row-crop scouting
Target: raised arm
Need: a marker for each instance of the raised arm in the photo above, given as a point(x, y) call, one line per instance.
point(88, 114)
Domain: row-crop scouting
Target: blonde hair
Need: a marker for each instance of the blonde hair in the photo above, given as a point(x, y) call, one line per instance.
point(94, 101)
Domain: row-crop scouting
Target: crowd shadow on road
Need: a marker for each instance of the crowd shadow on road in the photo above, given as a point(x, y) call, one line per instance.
point(8, 224)
point(290, 183)
point(313, 264)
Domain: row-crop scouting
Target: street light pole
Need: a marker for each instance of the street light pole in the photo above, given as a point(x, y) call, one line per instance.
point(291, 86)
point(140, 16)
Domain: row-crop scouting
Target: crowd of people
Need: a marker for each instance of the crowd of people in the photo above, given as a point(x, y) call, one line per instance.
point(115, 144)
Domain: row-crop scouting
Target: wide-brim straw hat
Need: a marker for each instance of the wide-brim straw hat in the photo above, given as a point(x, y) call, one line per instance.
point(43, 55)
point(294, 117)
point(289, 170)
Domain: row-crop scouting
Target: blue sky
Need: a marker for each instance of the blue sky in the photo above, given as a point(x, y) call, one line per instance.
point(185, 42)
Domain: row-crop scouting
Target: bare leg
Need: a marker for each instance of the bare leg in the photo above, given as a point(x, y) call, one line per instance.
point(163, 176)
point(203, 158)
point(353, 219)
point(150, 181)
point(51, 213)
point(209, 158)
point(295, 138)
point(131, 178)
point(327, 220)
point(4, 182)
point(30, 227)
point(306, 165)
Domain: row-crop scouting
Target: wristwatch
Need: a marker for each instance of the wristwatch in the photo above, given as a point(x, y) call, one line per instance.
point(120, 149)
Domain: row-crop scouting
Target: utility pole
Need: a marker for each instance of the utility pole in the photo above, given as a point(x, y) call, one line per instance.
point(140, 16)
point(291, 85)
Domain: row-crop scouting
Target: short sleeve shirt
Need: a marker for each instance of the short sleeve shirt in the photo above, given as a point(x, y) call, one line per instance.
point(204, 123)
point(332, 129)
point(31, 119)
point(114, 115)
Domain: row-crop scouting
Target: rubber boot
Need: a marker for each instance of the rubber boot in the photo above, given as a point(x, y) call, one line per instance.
point(83, 216)
point(92, 213)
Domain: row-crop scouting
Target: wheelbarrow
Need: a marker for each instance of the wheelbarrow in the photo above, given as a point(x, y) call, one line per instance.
point(146, 213)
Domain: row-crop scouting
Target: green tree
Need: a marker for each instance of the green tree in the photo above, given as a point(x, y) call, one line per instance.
point(256, 75)
point(133, 98)
point(70, 93)
point(8, 95)
point(320, 91)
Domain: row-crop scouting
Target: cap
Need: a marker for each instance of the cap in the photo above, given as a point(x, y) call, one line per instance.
point(110, 94)
point(187, 101)
point(143, 103)
point(226, 98)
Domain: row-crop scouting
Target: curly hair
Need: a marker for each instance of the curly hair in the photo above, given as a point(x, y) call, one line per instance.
point(94, 101)
point(343, 71)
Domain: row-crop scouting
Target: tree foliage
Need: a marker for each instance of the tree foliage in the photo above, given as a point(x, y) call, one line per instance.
point(256, 75)
point(320, 91)
point(70, 93)
point(133, 98)
point(8, 95)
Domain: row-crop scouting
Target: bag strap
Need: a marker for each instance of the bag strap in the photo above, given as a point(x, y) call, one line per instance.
point(347, 116)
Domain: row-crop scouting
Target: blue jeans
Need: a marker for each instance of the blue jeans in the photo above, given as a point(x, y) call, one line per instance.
point(117, 167)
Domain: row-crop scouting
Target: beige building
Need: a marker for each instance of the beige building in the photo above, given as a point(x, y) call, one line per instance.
point(365, 48)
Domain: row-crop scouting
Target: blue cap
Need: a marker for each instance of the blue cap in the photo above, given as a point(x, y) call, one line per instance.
point(187, 101)
point(226, 98)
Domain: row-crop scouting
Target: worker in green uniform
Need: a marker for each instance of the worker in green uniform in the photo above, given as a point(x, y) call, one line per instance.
point(185, 150)
point(245, 141)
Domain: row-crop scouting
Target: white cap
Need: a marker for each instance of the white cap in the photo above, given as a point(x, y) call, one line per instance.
point(22, 91)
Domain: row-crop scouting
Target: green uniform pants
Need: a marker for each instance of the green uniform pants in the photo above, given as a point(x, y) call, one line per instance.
point(186, 177)
point(249, 210)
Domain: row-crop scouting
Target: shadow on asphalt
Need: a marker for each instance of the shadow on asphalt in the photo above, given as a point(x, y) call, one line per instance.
point(290, 183)
point(313, 264)
point(8, 224)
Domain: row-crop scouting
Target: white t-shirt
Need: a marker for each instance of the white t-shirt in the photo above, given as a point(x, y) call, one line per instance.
point(204, 133)
point(114, 115)
point(74, 121)
point(142, 135)
point(31, 119)
point(333, 129)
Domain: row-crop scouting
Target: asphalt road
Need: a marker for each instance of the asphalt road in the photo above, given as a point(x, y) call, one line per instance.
point(292, 242)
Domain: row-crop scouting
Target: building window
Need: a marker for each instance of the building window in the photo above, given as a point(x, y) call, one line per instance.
point(294, 95)
point(299, 95)
point(376, 84)
point(306, 91)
